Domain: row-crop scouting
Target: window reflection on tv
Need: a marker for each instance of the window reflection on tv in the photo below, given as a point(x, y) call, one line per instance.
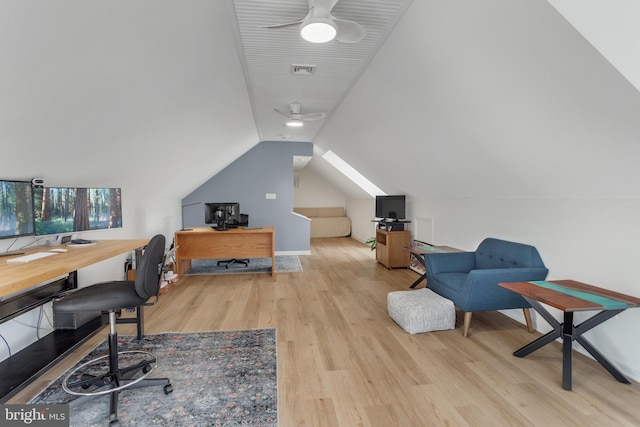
point(64, 210)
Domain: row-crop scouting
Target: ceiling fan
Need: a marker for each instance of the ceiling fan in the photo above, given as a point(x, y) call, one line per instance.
point(320, 26)
point(295, 118)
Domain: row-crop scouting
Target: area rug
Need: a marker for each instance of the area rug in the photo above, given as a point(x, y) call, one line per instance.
point(284, 264)
point(224, 378)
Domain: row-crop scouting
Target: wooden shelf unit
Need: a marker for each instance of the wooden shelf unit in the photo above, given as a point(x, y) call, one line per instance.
point(389, 246)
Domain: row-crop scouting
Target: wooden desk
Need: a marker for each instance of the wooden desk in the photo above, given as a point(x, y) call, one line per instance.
point(571, 296)
point(18, 279)
point(207, 243)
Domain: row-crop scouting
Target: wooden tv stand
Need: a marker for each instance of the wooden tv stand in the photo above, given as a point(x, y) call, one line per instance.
point(389, 246)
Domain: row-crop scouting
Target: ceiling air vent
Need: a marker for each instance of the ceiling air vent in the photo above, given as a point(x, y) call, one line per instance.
point(302, 70)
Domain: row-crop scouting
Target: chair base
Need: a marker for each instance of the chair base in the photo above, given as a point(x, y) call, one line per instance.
point(228, 262)
point(103, 375)
point(107, 381)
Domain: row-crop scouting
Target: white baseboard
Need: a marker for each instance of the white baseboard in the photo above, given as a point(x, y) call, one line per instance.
point(293, 252)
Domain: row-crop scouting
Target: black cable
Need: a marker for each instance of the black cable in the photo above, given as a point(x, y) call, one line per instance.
point(35, 241)
point(13, 243)
point(39, 321)
point(8, 346)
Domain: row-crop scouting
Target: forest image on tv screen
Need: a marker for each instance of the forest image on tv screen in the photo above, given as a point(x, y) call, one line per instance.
point(63, 210)
point(16, 213)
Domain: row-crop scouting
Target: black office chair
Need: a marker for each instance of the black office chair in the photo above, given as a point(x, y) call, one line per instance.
point(86, 381)
point(244, 222)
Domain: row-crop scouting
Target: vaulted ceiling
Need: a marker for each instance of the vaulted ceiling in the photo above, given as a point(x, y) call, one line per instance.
point(442, 98)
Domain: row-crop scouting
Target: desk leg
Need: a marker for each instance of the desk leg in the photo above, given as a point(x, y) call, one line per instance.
point(182, 266)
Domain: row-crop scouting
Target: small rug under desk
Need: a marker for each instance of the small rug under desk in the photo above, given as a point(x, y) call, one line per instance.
point(284, 264)
point(220, 378)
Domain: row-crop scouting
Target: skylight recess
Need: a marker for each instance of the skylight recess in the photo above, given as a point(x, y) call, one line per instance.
point(355, 176)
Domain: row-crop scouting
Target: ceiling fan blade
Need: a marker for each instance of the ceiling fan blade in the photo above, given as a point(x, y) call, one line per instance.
point(312, 116)
point(321, 8)
point(288, 24)
point(349, 31)
point(284, 114)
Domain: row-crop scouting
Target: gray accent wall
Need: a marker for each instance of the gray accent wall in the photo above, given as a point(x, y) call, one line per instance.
point(265, 169)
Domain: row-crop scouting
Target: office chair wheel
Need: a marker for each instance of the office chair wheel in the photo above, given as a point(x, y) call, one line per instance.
point(86, 378)
point(168, 389)
point(79, 383)
point(114, 423)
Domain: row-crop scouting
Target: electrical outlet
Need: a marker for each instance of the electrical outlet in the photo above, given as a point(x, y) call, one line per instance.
point(270, 196)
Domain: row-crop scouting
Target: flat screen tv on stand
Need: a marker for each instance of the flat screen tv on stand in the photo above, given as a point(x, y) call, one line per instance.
point(390, 207)
point(390, 212)
point(224, 215)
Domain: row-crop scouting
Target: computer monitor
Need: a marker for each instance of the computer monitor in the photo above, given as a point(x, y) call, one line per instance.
point(16, 209)
point(61, 210)
point(224, 215)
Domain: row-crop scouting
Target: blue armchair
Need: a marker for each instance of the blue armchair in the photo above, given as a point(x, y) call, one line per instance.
point(470, 279)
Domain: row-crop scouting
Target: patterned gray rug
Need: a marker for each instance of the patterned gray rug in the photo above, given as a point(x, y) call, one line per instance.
point(224, 378)
point(284, 264)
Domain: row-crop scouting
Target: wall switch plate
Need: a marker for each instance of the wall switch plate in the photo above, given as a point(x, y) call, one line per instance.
point(270, 196)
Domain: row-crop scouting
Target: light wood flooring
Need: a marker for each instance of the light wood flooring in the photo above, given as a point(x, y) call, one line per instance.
point(343, 362)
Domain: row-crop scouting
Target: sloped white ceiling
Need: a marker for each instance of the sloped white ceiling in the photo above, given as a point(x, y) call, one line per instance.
point(497, 98)
point(270, 54)
point(611, 27)
point(145, 94)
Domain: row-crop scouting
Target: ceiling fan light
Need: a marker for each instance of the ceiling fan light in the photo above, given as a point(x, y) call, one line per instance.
point(318, 30)
point(294, 123)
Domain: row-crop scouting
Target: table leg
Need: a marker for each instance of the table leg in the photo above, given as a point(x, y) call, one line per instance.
point(424, 276)
point(569, 333)
point(545, 339)
point(589, 324)
point(417, 282)
point(567, 347)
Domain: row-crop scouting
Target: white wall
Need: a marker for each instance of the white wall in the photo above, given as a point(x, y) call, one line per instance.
point(594, 241)
point(142, 218)
point(361, 212)
point(314, 191)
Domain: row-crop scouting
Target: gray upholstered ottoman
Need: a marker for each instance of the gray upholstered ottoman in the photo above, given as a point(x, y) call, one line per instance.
point(421, 311)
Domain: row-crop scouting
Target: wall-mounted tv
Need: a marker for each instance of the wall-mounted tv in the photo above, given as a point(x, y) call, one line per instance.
point(390, 207)
point(65, 210)
point(16, 209)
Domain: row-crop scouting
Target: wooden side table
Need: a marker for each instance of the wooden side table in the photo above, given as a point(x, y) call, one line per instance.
point(571, 296)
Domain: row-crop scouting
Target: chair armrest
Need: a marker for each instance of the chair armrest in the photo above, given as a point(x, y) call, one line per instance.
point(497, 275)
point(454, 262)
point(484, 293)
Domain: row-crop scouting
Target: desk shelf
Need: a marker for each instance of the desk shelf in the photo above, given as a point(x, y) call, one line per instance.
point(28, 364)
